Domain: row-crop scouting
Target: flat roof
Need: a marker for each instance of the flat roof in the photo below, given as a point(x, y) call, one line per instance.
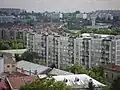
point(28, 66)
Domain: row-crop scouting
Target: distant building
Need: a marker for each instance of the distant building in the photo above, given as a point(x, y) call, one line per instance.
point(11, 10)
point(7, 19)
point(14, 33)
point(79, 15)
point(85, 16)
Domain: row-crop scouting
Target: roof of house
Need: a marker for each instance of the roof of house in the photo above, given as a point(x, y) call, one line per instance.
point(82, 82)
point(3, 85)
point(113, 67)
point(55, 71)
point(15, 82)
point(27, 66)
point(116, 68)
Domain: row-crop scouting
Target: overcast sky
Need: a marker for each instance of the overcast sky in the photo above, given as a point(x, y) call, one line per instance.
point(61, 5)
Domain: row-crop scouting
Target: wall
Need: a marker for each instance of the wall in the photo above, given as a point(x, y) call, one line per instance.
point(10, 68)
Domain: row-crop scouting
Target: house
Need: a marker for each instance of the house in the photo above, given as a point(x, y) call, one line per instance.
point(15, 82)
point(79, 81)
point(111, 72)
point(31, 68)
point(7, 63)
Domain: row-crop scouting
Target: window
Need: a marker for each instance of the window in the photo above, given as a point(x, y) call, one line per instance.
point(8, 66)
point(106, 75)
point(112, 75)
point(13, 65)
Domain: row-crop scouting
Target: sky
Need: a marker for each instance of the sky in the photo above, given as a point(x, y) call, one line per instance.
point(61, 5)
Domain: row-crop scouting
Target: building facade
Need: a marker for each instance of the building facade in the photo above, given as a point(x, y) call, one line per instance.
point(12, 34)
point(64, 51)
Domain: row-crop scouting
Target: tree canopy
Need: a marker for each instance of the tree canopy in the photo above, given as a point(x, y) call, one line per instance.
point(29, 56)
point(96, 73)
point(12, 44)
point(116, 84)
point(46, 84)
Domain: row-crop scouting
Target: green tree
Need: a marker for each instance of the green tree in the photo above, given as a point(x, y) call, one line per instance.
point(116, 84)
point(77, 69)
point(29, 56)
point(96, 73)
point(105, 88)
point(46, 84)
point(12, 44)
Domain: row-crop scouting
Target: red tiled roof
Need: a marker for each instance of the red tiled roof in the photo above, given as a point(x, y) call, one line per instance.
point(17, 82)
point(22, 27)
point(116, 68)
point(3, 85)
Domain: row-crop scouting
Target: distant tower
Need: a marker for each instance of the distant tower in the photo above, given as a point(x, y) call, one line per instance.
point(93, 20)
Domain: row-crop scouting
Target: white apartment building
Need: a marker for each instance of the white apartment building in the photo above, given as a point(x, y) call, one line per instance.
point(65, 51)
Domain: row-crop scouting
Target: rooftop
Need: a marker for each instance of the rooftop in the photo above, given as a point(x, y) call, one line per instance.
point(113, 67)
point(3, 85)
point(16, 82)
point(55, 71)
point(27, 66)
point(77, 80)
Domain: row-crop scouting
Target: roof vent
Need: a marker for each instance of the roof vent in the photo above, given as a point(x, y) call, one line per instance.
point(76, 79)
point(65, 80)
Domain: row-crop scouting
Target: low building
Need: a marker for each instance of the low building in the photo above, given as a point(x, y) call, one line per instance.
point(111, 72)
point(79, 81)
point(7, 19)
point(7, 64)
point(31, 68)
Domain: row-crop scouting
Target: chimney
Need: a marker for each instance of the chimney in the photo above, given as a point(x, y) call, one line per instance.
point(22, 70)
point(36, 72)
point(76, 79)
point(30, 72)
point(90, 85)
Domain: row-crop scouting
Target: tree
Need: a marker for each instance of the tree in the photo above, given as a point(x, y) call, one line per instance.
point(29, 56)
point(77, 69)
point(46, 84)
point(105, 88)
point(96, 73)
point(116, 84)
point(12, 44)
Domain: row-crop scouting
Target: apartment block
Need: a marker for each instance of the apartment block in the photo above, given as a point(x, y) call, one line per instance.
point(64, 51)
point(12, 34)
